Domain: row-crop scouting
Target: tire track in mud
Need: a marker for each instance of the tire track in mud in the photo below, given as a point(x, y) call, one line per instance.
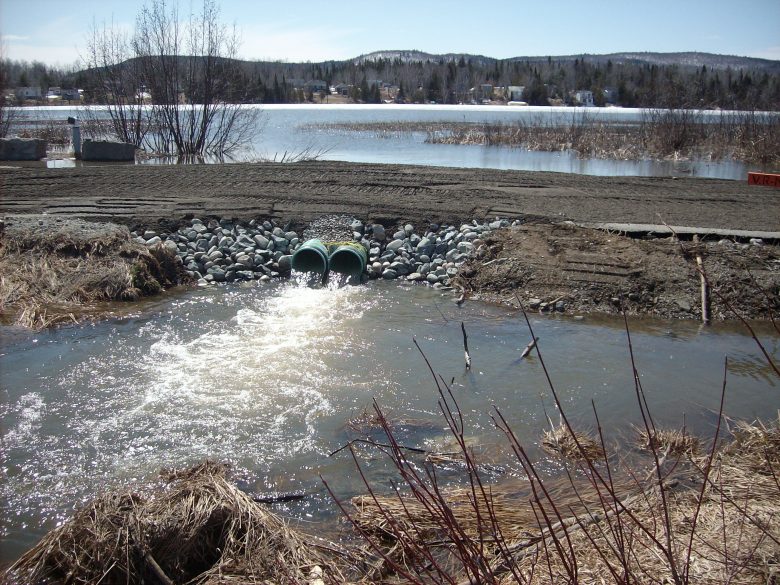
point(146, 194)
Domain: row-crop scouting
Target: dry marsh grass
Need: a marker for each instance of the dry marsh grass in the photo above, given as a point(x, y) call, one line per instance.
point(195, 526)
point(577, 446)
point(671, 442)
point(752, 137)
point(50, 268)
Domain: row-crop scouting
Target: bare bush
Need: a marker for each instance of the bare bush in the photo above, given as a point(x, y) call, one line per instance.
point(673, 517)
point(174, 86)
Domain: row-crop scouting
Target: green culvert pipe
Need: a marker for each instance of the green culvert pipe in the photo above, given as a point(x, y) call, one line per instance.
point(348, 258)
point(312, 256)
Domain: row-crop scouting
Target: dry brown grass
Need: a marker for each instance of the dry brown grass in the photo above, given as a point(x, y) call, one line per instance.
point(196, 525)
point(560, 441)
point(661, 134)
point(727, 531)
point(672, 442)
point(50, 268)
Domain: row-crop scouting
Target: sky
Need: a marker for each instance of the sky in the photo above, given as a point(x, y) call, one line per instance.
point(55, 32)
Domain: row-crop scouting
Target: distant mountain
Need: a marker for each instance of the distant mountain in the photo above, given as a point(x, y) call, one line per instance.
point(686, 59)
point(415, 56)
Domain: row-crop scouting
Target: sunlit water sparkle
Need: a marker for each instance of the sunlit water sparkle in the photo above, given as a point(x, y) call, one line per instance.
point(266, 375)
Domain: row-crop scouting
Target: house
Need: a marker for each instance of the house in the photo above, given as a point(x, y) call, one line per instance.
point(583, 97)
point(514, 93)
point(341, 89)
point(71, 94)
point(610, 95)
point(315, 86)
point(483, 92)
point(54, 94)
point(28, 93)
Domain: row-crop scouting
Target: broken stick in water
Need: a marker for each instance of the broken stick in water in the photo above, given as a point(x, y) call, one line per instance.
point(705, 293)
point(529, 347)
point(466, 345)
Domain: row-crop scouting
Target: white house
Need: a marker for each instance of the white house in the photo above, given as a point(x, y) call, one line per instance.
point(28, 93)
point(584, 97)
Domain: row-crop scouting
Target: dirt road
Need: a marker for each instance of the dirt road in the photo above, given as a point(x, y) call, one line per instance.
point(146, 194)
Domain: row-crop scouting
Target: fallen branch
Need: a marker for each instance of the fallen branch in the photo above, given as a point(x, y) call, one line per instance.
point(529, 347)
point(277, 498)
point(466, 346)
point(375, 444)
point(157, 570)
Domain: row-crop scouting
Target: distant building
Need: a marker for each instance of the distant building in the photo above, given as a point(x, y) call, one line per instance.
point(54, 93)
point(483, 92)
point(341, 89)
point(28, 93)
point(71, 94)
point(315, 86)
point(514, 93)
point(583, 97)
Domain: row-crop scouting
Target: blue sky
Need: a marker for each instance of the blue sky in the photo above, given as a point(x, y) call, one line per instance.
point(54, 31)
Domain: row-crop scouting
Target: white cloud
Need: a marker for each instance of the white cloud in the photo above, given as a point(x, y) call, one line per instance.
point(6, 38)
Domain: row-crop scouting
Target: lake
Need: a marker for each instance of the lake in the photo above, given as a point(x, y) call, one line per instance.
point(293, 129)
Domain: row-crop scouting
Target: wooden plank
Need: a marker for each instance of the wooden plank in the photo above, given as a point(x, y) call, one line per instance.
point(765, 179)
point(647, 228)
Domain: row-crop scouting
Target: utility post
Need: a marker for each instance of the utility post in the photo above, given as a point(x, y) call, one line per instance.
point(74, 122)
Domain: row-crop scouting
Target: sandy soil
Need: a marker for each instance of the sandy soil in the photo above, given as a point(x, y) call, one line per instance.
point(544, 259)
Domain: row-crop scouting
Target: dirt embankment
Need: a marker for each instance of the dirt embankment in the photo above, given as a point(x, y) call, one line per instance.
point(545, 259)
point(567, 268)
point(51, 268)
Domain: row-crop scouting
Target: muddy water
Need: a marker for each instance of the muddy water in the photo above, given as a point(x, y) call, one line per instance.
point(266, 376)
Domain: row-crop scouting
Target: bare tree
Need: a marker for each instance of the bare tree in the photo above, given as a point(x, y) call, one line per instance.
point(192, 73)
point(117, 84)
point(6, 112)
point(186, 67)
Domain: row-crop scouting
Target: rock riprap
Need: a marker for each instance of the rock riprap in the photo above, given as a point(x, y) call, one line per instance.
point(226, 251)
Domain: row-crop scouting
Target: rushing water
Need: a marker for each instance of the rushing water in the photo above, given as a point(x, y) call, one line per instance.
point(266, 376)
point(293, 129)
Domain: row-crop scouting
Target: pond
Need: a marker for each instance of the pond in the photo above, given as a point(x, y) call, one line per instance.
point(267, 376)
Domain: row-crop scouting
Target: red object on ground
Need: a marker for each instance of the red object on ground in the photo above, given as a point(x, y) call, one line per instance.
point(768, 179)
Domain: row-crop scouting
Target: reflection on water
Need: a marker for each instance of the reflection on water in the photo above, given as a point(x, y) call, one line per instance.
point(288, 130)
point(266, 375)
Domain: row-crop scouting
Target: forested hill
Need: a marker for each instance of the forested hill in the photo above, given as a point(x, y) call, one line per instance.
point(629, 79)
point(684, 59)
point(700, 80)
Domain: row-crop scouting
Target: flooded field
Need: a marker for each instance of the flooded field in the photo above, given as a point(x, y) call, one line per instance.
point(289, 131)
